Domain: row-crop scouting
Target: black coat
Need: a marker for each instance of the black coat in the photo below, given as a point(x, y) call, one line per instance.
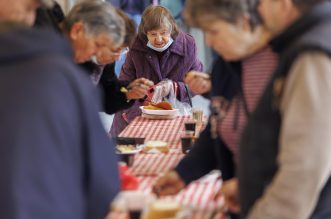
point(209, 154)
point(113, 98)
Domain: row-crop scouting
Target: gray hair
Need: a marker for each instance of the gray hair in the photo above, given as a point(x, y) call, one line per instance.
point(98, 17)
point(228, 10)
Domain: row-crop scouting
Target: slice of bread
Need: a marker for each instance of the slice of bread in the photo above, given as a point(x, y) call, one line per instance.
point(163, 209)
point(160, 146)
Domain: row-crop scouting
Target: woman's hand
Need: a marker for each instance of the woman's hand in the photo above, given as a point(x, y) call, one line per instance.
point(198, 82)
point(230, 192)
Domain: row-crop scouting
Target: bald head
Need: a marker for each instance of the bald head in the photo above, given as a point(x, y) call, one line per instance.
point(23, 11)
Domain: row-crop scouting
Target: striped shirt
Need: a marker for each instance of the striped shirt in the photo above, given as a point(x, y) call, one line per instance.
point(256, 72)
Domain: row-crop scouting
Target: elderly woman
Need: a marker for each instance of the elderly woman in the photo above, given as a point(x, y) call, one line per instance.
point(234, 32)
point(160, 51)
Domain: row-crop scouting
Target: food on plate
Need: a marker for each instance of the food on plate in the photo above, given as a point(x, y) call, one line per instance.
point(164, 105)
point(163, 209)
point(125, 148)
point(156, 146)
point(150, 107)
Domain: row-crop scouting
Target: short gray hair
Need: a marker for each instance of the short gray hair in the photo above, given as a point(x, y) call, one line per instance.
point(98, 17)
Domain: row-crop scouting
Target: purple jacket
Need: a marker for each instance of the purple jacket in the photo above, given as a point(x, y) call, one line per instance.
point(142, 61)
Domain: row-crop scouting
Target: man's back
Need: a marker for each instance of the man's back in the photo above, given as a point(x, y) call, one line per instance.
point(56, 160)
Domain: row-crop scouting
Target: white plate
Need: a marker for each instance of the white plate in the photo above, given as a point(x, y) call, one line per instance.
point(159, 112)
point(135, 151)
point(148, 116)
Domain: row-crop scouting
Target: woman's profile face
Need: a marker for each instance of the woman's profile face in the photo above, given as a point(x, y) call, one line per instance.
point(159, 37)
point(231, 41)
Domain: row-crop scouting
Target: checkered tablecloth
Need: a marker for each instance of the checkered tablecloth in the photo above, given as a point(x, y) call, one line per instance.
point(154, 164)
point(198, 195)
point(165, 130)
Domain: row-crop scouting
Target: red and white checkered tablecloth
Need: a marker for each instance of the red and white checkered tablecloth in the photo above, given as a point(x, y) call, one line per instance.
point(198, 195)
point(165, 130)
point(154, 164)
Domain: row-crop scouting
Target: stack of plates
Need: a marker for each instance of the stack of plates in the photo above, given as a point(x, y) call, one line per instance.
point(159, 114)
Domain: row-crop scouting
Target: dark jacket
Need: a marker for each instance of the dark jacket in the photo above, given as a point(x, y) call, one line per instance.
point(225, 78)
point(56, 160)
point(142, 61)
point(49, 18)
point(259, 145)
point(207, 153)
point(113, 99)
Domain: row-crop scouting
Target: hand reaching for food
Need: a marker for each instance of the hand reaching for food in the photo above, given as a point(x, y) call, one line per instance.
point(168, 184)
point(229, 191)
point(138, 88)
point(198, 82)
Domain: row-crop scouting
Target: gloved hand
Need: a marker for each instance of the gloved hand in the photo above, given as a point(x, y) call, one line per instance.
point(160, 90)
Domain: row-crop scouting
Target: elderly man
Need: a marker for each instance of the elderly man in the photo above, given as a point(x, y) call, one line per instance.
point(92, 26)
point(285, 162)
point(94, 29)
point(56, 161)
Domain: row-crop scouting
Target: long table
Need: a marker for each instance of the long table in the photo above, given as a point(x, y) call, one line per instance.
point(199, 195)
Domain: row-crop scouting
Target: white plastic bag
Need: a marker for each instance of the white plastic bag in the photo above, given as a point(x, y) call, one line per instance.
point(165, 91)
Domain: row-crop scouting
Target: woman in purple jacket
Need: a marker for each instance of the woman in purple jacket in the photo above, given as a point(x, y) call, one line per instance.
point(160, 51)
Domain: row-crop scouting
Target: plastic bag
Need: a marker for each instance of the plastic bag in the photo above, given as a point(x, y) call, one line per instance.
point(166, 91)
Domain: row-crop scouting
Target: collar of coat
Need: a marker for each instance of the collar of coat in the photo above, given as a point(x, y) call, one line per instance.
point(319, 13)
point(177, 47)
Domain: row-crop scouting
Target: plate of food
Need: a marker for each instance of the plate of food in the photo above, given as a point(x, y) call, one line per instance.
point(127, 152)
point(156, 146)
point(162, 108)
point(127, 149)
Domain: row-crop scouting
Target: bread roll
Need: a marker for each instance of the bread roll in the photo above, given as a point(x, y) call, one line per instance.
point(163, 209)
point(161, 146)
